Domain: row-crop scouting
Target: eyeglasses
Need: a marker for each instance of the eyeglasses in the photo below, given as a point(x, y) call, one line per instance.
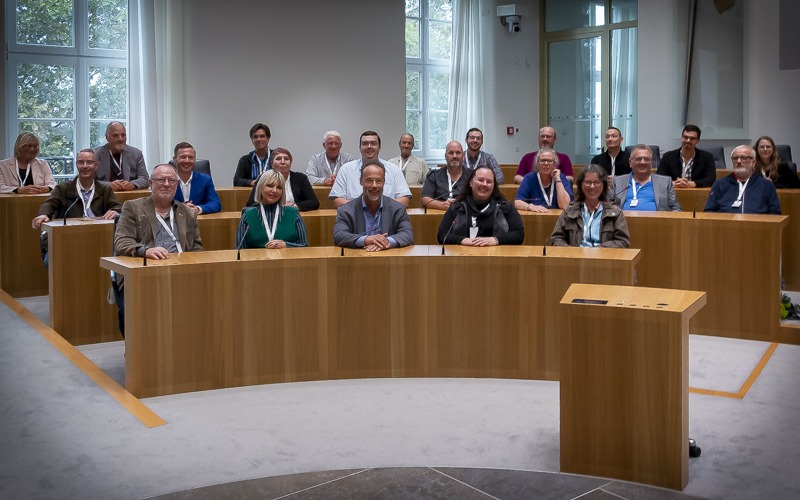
point(592, 183)
point(642, 159)
point(161, 181)
point(546, 161)
point(741, 158)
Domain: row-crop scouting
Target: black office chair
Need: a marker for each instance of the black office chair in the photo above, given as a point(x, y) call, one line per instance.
point(653, 149)
point(202, 166)
point(719, 155)
point(785, 154)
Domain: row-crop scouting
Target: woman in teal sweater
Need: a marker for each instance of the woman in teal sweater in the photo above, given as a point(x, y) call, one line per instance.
point(270, 224)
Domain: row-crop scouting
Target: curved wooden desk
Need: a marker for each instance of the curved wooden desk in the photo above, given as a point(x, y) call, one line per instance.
point(205, 320)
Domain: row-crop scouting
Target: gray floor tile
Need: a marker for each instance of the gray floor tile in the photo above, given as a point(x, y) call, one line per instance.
point(512, 485)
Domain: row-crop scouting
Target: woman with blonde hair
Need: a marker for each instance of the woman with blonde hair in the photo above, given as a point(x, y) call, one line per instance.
point(24, 173)
point(271, 224)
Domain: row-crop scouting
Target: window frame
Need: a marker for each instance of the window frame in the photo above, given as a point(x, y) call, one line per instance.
point(425, 66)
point(80, 57)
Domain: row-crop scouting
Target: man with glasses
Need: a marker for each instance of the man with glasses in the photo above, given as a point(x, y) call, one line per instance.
point(157, 226)
point(642, 189)
point(547, 139)
point(687, 166)
point(323, 167)
point(347, 185)
point(82, 197)
point(742, 192)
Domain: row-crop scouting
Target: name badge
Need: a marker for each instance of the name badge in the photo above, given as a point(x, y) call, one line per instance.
point(473, 232)
point(634, 202)
point(737, 204)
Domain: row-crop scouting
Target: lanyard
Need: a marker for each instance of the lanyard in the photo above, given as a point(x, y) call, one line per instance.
point(170, 232)
point(270, 229)
point(83, 200)
point(27, 173)
point(118, 165)
point(261, 166)
point(404, 165)
point(687, 167)
point(477, 160)
point(635, 189)
point(451, 184)
point(613, 164)
point(336, 164)
point(548, 199)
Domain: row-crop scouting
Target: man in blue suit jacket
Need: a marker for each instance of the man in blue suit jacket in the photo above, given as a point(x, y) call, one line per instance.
point(196, 189)
point(372, 221)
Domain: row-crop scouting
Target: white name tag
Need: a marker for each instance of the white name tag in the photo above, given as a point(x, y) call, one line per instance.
point(737, 204)
point(473, 232)
point(634, 202)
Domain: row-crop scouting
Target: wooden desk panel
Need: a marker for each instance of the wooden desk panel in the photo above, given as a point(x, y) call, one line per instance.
point(195, 323)
point(79, 310)
point(22, 273)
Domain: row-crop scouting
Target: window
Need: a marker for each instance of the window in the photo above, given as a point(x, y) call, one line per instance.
point(429, 26)
point(67, 74)
point(590, 67)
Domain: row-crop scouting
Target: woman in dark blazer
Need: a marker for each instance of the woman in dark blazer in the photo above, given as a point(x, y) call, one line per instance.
point(299, 193)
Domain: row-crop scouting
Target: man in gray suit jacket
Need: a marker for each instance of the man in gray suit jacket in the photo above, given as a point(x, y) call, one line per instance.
point(119, 165)
point(648, 191)
point(372, 221)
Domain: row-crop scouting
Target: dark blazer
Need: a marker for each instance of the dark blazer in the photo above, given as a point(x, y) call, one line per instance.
point(704, 169)
point(350, 224)
point(65, 195)
point(137, 227)
point(133, 168)
point(662, 189)
point(304, 196)
point(202, 194)
point(244, 169)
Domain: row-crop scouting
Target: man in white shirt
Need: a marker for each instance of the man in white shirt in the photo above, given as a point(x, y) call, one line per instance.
point(348, 181)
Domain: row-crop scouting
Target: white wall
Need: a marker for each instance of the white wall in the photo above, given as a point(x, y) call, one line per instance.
point(774, 106)
point(301, 67)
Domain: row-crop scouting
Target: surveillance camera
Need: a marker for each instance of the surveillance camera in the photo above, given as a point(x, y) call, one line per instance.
point(512, 22)
point(511, 15)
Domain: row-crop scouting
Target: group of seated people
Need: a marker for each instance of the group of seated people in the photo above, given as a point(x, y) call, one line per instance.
point(371, 194)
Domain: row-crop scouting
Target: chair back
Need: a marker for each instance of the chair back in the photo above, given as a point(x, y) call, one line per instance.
point(719, 155)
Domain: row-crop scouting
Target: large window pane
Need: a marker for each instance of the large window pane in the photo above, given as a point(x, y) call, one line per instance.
point(440, 9)
point(439, 35)
point(45, 22)
point(45, 91)
point(624, 84)
point(108, 24)
point(412, 8)
point(412, 38)
point(624, 10)
point(574, 96)
point(438, 91)
point(413, 96)
point(437, 130)
point(571, 14)
point(108, 96)
point(413, 123)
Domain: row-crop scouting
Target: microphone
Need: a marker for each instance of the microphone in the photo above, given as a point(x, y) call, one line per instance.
point(704, 200)
point(144, 258)
point(624, 192)
point(544, 247)
point(241, 242)
point(438, 198)
point(70, 208)
point(444, 240)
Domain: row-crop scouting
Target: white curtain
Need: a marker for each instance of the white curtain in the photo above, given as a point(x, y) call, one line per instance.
point(466, 80)
point(624, 85)
point(158, 113)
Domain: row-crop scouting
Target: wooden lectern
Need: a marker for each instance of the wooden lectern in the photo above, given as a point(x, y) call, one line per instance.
point(625, 382)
